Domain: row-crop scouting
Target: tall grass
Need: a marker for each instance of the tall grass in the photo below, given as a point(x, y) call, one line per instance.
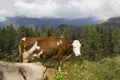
point(105, 69)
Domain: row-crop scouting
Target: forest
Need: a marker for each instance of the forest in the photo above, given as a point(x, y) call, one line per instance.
point(99, 58)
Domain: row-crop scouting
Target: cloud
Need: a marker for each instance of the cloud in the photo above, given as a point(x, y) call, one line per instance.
point(36, 8)
point(6, 9)
point(101, 9)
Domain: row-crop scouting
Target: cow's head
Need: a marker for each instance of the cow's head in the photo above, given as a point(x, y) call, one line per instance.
point(76, 47)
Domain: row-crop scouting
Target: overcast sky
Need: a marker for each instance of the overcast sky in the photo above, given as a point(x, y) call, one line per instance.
point(101, 9)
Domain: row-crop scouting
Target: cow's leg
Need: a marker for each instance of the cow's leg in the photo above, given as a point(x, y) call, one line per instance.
point(60, 62)
point(59, 59)
point(59, 66)
point(25, 57)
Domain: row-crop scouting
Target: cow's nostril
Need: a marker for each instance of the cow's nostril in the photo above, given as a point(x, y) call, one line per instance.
point(78, 54)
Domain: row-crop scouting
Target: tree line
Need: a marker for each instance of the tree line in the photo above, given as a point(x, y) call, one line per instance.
point(98, 41)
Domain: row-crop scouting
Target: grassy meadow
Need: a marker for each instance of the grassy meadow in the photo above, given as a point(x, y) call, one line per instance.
point(104, 69)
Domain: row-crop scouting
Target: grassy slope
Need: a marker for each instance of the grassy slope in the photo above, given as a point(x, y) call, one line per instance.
point(105, 69)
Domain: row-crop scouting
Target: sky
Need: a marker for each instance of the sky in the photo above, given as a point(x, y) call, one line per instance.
point(70, 9)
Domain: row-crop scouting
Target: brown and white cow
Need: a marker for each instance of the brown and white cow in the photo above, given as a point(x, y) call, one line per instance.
point(47, 47)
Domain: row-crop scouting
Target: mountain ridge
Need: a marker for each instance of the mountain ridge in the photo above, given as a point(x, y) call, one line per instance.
point(113, 22)
point(54, 22)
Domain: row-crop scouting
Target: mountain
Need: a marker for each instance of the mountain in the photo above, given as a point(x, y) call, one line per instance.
point(54, 22)
point(112, 22)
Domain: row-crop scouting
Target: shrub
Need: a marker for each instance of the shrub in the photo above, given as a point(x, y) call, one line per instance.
point(105, 69)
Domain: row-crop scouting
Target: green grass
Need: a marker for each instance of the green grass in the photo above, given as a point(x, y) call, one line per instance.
point(105, 69)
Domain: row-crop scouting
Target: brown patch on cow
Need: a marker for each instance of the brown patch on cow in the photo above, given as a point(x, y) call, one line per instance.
point(27, 44)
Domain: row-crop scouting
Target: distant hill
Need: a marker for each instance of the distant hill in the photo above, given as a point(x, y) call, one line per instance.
point(72, 28)
point(54, 22)
point(112, 22)
point(74, 25)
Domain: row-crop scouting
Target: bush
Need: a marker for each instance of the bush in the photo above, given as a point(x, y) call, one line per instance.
point(105, 69)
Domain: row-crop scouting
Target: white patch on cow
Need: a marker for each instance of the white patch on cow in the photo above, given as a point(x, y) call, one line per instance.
point(34, 56)
point(59, 68)
point(24, 39)
point(29, 52)
point(33, 48)
point(40, 52)
point(58, 43)
point(38, 55)
point(76, 47)
point(38, 47)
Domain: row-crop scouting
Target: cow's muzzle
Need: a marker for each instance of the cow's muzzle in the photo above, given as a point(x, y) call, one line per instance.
point(77, 54)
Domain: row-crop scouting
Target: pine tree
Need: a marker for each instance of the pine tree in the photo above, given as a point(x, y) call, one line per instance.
point(36, 32)
point(116, 41)
point(110, 43)
point(9, 38)
point(91, 40)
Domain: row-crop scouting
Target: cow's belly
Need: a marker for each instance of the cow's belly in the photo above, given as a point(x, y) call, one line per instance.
point(43, 57)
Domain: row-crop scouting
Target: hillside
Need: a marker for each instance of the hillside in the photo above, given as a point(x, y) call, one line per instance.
point(112, 22)
point(54, 22)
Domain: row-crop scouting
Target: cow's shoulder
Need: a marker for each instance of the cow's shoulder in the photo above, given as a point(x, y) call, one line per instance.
point(28, 40)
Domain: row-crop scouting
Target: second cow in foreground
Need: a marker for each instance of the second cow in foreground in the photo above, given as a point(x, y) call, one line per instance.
point(47, 47)
point(25, 71)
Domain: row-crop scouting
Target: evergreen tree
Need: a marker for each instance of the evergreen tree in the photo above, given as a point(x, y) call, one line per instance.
point(9, 36)
point(110, 43)
point(91, 40)
point(30, 32)
point(36, 32)
point(44, 31)
point(116, 41)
